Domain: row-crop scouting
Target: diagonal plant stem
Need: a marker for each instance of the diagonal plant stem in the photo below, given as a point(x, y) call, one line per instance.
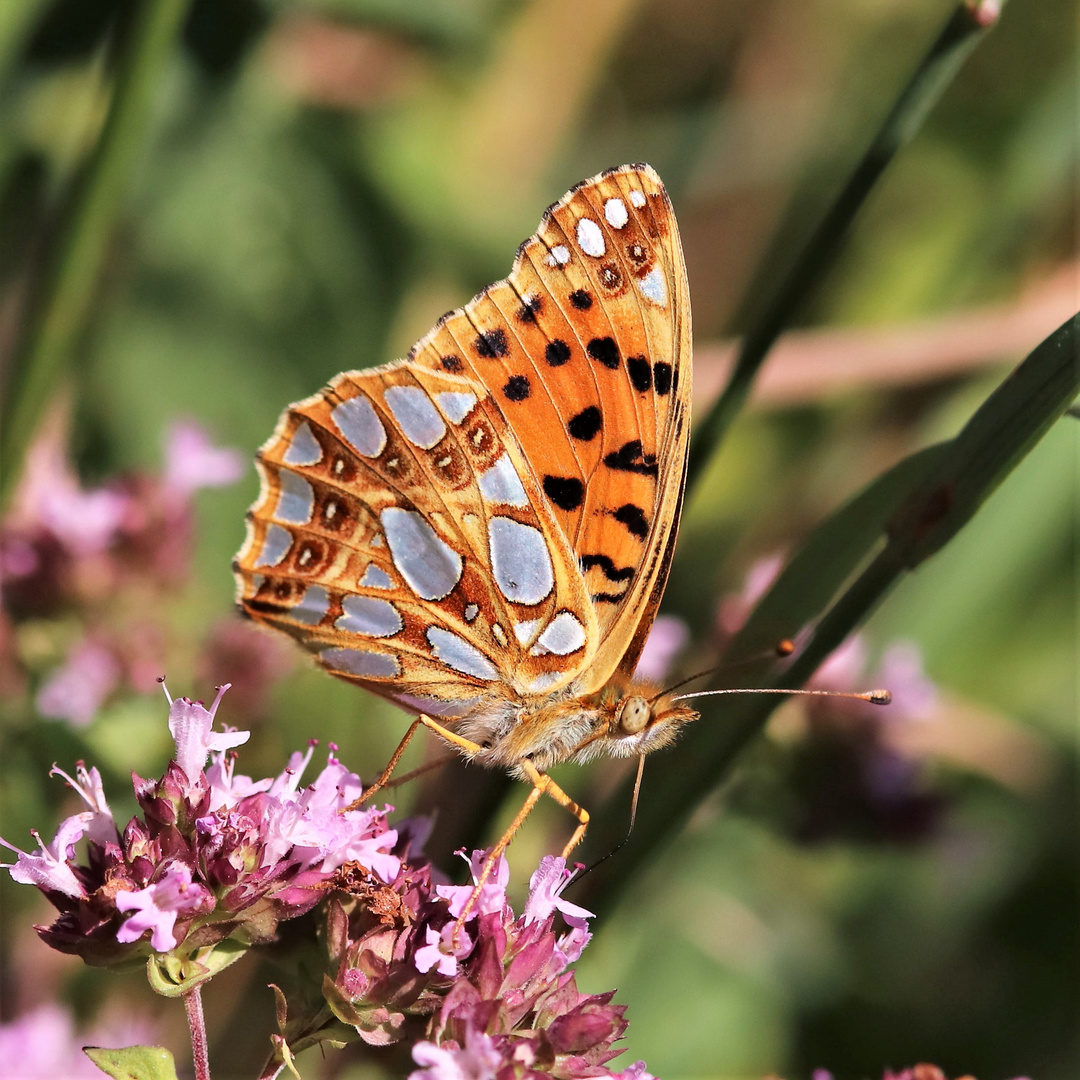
point(66, 291)
point(958, 37)
point(944, 489)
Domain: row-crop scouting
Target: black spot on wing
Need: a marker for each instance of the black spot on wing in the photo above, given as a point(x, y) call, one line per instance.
point(557, 352)
point(629, 458)
point(492, 343)
point(662, 377)
point(637, 367)
point(266, 607)
point(586, 424)
point(566, 492)
point(451, 363)
point(611, 571)
point(605, 351)
point(581, 299)
point(517, 388)
point(633, 517)
point(530, 308)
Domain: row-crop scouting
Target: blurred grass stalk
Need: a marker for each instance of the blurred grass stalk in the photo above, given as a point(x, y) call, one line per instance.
point(918, 506)
point(962, 31)
point(65, 292)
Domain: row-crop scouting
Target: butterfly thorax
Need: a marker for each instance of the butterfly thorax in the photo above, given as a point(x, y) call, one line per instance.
point(619, 721)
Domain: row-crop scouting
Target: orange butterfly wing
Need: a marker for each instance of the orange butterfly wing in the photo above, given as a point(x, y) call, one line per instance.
point(499, 510)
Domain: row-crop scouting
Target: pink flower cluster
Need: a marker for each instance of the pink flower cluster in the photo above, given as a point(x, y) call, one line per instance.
point(102, 559)
point(216, 856)
point(495, 1000)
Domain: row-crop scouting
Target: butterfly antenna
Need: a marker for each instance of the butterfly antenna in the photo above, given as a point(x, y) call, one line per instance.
point(875, 697)
point(781, 649)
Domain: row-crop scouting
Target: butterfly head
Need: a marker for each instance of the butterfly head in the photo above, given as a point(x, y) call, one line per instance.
point(643, 722)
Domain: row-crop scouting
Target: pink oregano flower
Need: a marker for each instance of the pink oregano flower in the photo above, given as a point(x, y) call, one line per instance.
point(216, 855)
point(213, 854)
point(192, 461)
point(545, 894)
point(157, 906)
point(190, 723)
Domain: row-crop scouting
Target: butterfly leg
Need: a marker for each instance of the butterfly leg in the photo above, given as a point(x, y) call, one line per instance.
point(383, 778)
point(495, 854)
point(548, 787)
point(542, 785)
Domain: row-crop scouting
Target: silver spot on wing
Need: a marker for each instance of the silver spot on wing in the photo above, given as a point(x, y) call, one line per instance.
point(430, 567)
point(458, 654)
point(357, 420)
point(416, 415)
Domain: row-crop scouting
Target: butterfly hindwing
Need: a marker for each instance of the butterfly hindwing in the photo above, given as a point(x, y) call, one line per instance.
point(399, 538)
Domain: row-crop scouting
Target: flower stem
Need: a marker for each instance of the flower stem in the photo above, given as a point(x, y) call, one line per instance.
point(65, 293)
point(197, 1027)
point(962, 31)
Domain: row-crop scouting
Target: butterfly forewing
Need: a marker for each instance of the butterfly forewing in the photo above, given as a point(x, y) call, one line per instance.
point(497, 511)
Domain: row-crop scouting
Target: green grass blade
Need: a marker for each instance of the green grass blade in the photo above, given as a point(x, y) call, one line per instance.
point(67, 288)
point(908, 514)
point(962, 31)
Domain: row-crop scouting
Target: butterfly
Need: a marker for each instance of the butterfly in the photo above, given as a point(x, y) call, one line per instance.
point(482, 531)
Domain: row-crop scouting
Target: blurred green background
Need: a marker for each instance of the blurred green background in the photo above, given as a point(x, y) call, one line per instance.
point(319, 180)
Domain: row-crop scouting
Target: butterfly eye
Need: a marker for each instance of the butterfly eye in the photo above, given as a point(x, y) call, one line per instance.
point(634, 715)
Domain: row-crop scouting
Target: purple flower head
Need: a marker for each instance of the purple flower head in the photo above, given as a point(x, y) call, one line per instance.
point(442, 951)
point(42, 1045)
point(498, 1000)
point(214, 854)
point(51, 500)
point(193, 462)
point(545, 889)
point(226, 787)
point(478, 1059)
point(315, 826)
point(189, 724)
point(157, 906)
point(101, 827)
point(76, 690)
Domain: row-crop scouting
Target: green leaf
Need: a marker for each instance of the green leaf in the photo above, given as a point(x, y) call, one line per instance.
point(175, 976)
point(65, 295)
point(133, 1062)
point(963, 30)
